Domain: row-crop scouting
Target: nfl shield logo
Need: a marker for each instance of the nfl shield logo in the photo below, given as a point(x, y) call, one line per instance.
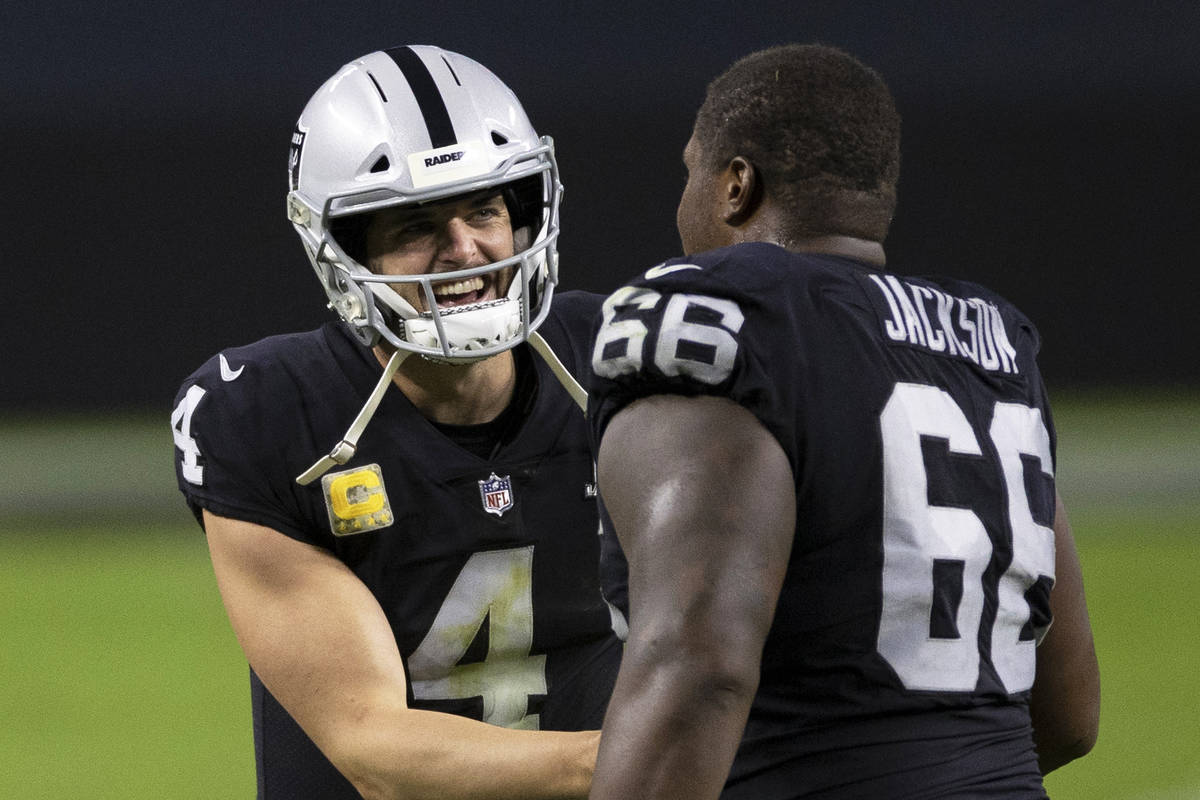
point(496, 493)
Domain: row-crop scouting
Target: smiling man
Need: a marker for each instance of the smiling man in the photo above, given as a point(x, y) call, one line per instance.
point(420, 604)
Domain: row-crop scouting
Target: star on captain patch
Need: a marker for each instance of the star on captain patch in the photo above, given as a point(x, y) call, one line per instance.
point(356, 501)
point(496, 493)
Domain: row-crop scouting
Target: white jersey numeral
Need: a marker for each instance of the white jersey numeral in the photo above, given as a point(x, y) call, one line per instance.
point(935, 557)
point(918, 537)
point(181, 430)
point(695, 337)
point(496, 586)
point(703, 350)
point(1019, 431)
point(606, 360)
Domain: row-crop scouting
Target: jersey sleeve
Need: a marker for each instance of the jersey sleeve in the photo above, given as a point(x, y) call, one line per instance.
point(231, 447)
point(702, 326)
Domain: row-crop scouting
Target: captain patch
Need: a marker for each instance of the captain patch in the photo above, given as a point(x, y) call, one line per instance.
point(356, 501)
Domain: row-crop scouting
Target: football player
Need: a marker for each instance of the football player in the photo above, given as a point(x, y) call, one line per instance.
point(420, 606)
point(834, 485)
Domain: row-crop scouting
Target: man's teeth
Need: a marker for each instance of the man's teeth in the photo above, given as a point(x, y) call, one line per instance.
point(459, 287)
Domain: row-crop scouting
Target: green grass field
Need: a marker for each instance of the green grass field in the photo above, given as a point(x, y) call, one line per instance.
point(120, 677)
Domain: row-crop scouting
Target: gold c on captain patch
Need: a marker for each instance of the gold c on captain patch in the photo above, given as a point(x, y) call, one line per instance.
point(356, 500)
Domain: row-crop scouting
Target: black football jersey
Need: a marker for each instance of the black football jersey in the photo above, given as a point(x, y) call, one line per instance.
point(486, 567)
point(912, 412)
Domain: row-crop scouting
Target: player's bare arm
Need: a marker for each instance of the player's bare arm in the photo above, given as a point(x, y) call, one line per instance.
point(1065, 704)
point(701, 496)
point(322, 645)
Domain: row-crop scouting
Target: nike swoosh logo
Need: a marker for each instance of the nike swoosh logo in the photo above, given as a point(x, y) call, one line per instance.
point(663, 269)
point(228, 374)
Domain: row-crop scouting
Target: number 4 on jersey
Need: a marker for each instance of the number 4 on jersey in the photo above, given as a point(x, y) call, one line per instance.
point(496, 586)
point(181, 430)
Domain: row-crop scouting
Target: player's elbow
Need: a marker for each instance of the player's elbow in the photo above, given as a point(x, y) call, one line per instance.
point(388, 773)
point(1067, 743)
point(380, 787)
point(709, 647)
point(720, 672)
point(1083, 745)
point(727, 683)
point(375, 783)
point(1066, 719)
point(379, 766)
point(1051, 759)
point(370, 788)
point(704, 690)
point(704, 671)
point(363, 772)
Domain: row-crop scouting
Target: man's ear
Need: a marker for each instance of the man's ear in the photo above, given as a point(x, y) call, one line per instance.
point(742, 184)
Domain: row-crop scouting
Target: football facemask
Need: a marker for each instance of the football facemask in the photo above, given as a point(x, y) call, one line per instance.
point(415, 125)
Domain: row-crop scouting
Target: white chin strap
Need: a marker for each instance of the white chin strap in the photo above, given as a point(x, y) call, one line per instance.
point(573, 387)
point(344, 450)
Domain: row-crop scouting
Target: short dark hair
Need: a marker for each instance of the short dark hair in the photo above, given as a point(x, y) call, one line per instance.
point(821, 129)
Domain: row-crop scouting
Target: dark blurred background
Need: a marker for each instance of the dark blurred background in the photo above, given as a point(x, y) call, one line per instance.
point(1050, 152)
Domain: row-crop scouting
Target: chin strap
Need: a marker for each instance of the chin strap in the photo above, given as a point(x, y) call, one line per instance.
point(577, 392)
point(344, 450)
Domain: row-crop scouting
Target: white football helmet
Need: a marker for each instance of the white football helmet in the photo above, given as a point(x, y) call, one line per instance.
point(412, 125)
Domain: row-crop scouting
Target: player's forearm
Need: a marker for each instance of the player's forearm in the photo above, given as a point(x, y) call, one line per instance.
point(677, 743)
point(423, 754)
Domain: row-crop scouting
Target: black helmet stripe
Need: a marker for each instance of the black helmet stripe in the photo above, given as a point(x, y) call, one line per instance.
point(429, 99)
